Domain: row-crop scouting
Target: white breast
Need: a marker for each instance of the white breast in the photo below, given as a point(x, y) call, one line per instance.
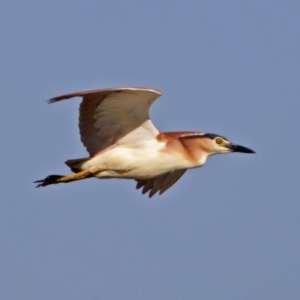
point(138, 160)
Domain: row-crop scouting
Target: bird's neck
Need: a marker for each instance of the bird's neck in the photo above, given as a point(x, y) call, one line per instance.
point(188, 150)
point(194, 152)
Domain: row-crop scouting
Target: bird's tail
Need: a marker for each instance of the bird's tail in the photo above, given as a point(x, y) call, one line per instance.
point(75, 164)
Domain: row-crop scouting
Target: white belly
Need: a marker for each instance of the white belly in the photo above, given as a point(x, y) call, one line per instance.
point(140, 161)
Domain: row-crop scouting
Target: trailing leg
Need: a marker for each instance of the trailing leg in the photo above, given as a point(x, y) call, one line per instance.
point(54, 179)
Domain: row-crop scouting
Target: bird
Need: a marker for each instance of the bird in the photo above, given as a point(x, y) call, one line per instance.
point(122, 142)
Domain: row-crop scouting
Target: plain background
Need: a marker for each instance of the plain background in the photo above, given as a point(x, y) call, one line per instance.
point(227, 231)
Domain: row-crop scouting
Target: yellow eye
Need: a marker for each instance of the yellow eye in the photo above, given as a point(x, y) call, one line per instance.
point(219, 141)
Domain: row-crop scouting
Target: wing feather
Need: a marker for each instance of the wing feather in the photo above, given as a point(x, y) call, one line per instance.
point(160, 183)
point(114, 115)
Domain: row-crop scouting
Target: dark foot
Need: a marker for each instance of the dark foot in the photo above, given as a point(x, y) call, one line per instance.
point(51, 179)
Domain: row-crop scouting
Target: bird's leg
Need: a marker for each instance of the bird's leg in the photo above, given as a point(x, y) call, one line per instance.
point(53, 179)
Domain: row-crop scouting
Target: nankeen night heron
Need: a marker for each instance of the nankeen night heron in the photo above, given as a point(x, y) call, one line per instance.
point(122, 142)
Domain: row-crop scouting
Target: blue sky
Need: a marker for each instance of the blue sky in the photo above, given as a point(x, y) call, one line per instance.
point(229, 230)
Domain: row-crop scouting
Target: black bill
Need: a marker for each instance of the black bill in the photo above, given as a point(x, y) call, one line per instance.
point(238, 148)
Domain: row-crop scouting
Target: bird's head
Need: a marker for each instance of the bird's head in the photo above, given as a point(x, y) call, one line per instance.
point(214, 144)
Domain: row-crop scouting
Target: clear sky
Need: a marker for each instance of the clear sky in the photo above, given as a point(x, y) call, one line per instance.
point(227, 231)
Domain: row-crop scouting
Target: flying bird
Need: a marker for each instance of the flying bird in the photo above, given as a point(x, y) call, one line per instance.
point(123, 142)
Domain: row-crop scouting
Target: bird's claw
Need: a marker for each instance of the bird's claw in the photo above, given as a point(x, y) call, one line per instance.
point(51, 179)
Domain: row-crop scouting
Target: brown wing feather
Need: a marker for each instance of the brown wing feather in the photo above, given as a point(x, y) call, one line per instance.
point(160, 183)
point(88, 132)
point(103, 92)
point(106, 116)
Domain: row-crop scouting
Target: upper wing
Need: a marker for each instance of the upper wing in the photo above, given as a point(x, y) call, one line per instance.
point(160, 183)
point(111, 115)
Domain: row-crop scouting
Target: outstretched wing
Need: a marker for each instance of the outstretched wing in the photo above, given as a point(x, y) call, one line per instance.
point(160, 183)
point(114, 115)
